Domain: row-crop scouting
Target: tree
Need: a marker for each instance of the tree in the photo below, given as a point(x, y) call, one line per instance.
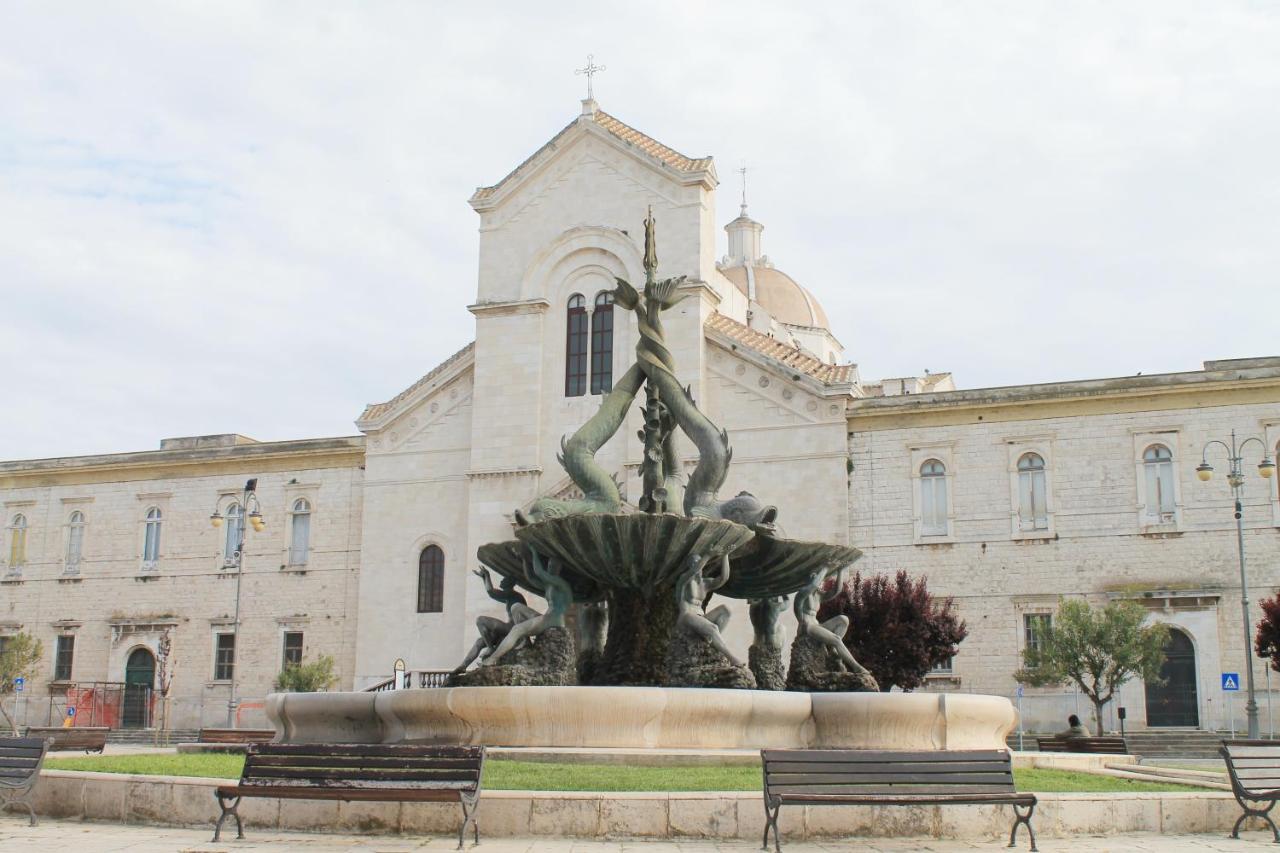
point(1098, 650)
point(1267, 641)
point(896, 629)
point(307, 677)
point(19, 655)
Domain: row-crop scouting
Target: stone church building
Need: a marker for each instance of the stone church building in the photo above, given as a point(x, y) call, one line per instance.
point(1006, 498)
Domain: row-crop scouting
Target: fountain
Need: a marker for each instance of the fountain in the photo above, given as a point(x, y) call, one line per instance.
point(648, 666)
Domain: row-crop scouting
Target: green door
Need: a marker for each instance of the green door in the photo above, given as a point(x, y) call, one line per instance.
point(139, 680)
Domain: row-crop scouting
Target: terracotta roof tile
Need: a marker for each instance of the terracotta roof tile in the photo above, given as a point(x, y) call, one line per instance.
point(796, 359)
point(377, 410)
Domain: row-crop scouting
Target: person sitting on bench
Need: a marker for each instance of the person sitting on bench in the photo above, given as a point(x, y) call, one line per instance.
point(1075, 728)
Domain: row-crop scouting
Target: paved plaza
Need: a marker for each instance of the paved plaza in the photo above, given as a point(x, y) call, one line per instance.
point(87, 837)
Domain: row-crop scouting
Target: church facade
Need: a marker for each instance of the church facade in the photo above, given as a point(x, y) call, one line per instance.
point(1006, 498)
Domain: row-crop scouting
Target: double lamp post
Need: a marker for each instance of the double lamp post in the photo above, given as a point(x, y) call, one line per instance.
point(236, 513)
point(1235, 476)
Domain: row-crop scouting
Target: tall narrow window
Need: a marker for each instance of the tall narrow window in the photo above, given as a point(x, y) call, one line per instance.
point(431, 580)
point(64, 654)
point(224, 657)
point(292, 648)
point(300, 535)
point(235, 528)
point(151, 539)
point(75, 541)
point(1157, 461)
point(575, 358)
point(1033, 513)
point(933, 498)
point(602, 344)
point(17, 541)
point(1034, 628)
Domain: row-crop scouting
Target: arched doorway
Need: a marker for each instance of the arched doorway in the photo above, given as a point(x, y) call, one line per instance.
point(1176, 702)
point(139, 680)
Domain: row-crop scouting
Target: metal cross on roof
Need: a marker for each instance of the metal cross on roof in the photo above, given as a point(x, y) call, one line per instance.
point(591, 71)
point(743, 172)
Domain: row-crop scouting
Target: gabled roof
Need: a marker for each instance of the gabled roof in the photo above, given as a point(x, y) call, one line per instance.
point(373, 411)
point(796, 359)
point(647, 145)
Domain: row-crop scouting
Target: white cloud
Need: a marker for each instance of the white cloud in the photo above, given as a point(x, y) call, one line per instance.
point(251, 217)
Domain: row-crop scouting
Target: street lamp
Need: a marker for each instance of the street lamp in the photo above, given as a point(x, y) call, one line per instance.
point(1235, 476)
point(248, 503)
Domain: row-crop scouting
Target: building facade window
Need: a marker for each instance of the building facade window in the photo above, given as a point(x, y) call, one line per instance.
point(933, 498)
point(300, 532)
point(943, 667)
point(151, 538)
point(75, 541)
point(17, 541)
point(63, 656)
point(224, 656)
point(1033, 504)
point(431, 580)
point(292, 653)
point(235, 529)
point(575, 351)
point(1034, 628)
point(602, 344)
point(1161, 502)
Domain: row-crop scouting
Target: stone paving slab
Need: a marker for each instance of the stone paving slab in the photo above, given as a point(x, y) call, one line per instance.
point(89, 837)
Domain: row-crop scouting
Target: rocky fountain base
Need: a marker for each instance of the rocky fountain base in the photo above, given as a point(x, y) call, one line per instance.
point(645, 718)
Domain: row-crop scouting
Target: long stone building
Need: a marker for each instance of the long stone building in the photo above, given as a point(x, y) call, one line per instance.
point(1006, 498)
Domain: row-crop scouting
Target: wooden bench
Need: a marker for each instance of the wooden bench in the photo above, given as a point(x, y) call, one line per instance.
point(821, 777)
point(88, 738)
point(1109, 745)
point(404, 773)
point(1254, 769)
point(237, 735)
point(1054, 743)
point(20, 761)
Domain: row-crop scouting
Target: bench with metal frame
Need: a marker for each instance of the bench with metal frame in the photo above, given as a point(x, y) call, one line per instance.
point(822, 777)
point(404, 773)
point(1105, 745)
point(88, 738)
point(1254, 769)
point(20, 761)
point(237, 736)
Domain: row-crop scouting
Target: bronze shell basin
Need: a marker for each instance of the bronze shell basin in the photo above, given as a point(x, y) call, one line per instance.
point(636, 551)
point(767, 566)
point(511, 560)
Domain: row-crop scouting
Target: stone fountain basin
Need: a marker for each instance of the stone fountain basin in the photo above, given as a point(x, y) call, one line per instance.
point(644, 718)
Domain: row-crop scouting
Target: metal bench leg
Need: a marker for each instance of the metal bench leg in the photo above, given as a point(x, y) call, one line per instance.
point(1021, 819)
point(233, 811)
point(469, 817)
point(1259, 813)
point(771, 820)
point(25, 802)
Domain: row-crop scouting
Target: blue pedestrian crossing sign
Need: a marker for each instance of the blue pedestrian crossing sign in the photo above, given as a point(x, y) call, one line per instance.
point(18, 684)
point(1230, 681)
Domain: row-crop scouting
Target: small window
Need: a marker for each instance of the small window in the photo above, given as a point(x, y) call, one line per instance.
point(64, 654)
point(602, 344)
point(1033, 511)
point(75, 541)
point(575, 365)
point(151, 539)
point(431, 580)
point(1034, 628)
point(17, 541)
point(292, 648)
point(942, 667)
point(933, 498)
point(1157, 461)
point(235, 533)
point(300, 534)
point(224, 659)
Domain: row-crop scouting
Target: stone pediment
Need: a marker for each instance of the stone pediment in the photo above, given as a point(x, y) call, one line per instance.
point(443, 377)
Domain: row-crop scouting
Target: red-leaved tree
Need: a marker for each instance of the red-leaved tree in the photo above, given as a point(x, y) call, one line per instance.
point(896, 629)
point(1267, 641)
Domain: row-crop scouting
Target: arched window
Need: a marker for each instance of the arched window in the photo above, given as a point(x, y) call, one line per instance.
point(933, 498)
point(75, 541)
point(235, 530)
point(602, 344)
point(1033, 513)
point(1157, 461)
point(431, 580)
point(300, 535)
point(575, 357)
point(151, 538)
point(17, 541)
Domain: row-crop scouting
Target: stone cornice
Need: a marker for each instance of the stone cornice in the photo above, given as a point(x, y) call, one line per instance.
point(493, 473)
point(511, 308)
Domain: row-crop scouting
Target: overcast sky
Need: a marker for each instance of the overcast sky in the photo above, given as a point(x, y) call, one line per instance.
point(251, 217)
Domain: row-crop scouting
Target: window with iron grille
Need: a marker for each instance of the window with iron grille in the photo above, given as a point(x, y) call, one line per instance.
point(224, 658)
point(575, 364)
point(64, 653)
point(431, 580)
point(292, 648)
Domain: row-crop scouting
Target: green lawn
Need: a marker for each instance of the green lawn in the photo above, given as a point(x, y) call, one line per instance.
point(538, 776)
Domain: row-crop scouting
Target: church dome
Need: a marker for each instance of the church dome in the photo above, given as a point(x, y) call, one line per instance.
point(778, 293)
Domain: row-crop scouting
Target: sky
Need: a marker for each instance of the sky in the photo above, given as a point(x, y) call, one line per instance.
point(251, 216)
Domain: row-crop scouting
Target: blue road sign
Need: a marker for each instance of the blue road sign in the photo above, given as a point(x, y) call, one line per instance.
point(18, 684)
point(1230, 681)
point(1019, 691)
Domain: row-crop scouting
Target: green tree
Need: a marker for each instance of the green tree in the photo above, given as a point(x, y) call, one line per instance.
point(19, 654)
point(1098, 650)
point(307, 677)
